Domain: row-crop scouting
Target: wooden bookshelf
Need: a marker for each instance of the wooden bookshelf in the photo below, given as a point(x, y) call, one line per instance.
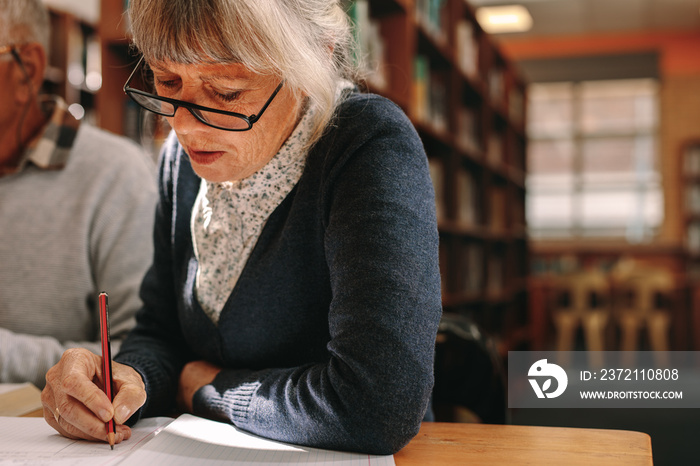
point(74, 70)
point(468, 105)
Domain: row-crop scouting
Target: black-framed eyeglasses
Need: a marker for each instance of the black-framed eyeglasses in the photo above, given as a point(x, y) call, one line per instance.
point(12, 49)
point(219, 119)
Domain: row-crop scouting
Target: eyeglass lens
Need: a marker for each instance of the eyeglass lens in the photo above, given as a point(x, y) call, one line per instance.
point(167, 109)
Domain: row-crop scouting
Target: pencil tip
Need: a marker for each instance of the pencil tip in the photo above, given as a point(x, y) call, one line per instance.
point(112, 447)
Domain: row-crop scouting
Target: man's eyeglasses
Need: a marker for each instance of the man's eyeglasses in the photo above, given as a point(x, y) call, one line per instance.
point(219, 119)
point(11, 49)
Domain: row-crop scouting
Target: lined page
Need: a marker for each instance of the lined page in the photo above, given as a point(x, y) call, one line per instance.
point(189, 440)
point(26, 441)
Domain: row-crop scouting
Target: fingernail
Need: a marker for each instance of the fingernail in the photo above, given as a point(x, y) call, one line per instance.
point(105, 415)
point(123, 414)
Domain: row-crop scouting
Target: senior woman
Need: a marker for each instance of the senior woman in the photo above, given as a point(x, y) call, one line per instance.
point(294, 290)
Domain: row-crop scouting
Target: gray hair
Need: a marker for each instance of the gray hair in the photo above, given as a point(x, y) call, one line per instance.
point(307, 43)
point(23, 21)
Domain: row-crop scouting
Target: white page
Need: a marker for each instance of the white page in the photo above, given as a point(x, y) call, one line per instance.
point(189, 440)
point(28, 441)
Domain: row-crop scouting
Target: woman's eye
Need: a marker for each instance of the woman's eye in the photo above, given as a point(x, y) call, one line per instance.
point(228, 96)
point(169, 84)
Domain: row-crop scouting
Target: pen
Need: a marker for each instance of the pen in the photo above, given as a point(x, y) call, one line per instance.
point(106, 361)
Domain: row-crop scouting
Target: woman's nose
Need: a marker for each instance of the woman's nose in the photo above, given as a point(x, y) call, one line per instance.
point(184, 121)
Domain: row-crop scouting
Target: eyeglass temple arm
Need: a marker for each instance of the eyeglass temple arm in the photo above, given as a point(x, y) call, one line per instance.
point(138, 65)
point(254, 118)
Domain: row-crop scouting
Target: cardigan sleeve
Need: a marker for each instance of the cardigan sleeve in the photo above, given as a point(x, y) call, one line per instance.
point(155, 347)
point(381, 248)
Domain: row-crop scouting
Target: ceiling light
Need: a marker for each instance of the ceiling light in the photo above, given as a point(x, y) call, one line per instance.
point(507, 18)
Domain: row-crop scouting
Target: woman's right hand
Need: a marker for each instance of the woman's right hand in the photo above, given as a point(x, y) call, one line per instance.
point(75, 405)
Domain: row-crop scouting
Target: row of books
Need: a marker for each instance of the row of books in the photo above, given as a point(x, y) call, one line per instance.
point(369, 45)
point(433, 16)
point(468, 197)
point(468, 129)
point(466, 191)
point(481, 271)
point(437, 175)
point(467, 48)
point(497, 86)
point(75, 67)
point(430, 94)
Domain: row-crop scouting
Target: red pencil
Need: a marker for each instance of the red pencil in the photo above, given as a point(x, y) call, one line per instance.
point(106, 361)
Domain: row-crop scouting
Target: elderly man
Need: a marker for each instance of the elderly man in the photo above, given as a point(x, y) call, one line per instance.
point(76, 212)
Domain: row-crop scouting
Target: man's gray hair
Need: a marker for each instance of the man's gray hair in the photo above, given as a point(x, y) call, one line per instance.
point(307, 43)
point(23, 21)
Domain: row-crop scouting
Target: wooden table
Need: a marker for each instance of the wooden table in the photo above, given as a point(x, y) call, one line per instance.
point(440, 443)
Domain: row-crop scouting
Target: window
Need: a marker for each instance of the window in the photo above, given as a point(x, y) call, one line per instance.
point(592, 164)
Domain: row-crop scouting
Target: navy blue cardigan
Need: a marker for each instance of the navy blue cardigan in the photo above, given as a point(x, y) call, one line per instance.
point(327, 339)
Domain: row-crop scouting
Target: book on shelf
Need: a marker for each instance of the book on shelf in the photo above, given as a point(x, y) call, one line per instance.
point(468, 129)
point(497, 210)
point(369, 52)
point(496, 86)
point(433, 16)
point(495, 273)
point(517, 212)
point(692, 237)
point(437, 101)
point(430, 96)
point(516, 105)
point(421, 84)
point(473, 276)
point(438, 178)
point(467, 48)
point(467, 199)
point(445, 268)
point(692, 199)
point(494, 149)
point(691, 160)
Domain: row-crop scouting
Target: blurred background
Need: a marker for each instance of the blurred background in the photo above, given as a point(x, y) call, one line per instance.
point(563, 138)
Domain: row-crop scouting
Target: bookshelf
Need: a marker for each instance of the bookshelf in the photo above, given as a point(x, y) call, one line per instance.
point(74, 67)
point(468, 105)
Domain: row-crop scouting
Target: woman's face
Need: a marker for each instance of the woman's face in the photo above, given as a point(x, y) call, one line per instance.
point(218, 155)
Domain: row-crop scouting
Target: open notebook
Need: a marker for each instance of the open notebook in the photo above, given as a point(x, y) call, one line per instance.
point(186, 440)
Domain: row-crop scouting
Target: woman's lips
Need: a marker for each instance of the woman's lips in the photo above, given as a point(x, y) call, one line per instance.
point(204, 157)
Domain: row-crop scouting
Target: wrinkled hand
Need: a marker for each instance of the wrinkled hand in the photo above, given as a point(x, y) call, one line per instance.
point(75, 405)
point(194, 376)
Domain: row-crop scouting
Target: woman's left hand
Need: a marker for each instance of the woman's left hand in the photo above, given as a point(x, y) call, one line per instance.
point(194, 376)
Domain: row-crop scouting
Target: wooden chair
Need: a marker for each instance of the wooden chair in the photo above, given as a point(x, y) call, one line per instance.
point(645, 297)
point(581, 299)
